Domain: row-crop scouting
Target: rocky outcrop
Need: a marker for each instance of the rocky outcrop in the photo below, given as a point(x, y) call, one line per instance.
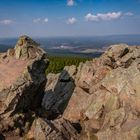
point(22, 73)
point(105, 101)
point(22, 81)
point(111, 85)
point(99, 100)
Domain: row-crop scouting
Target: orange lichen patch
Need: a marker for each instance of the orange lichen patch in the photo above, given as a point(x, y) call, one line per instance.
point(10, 70)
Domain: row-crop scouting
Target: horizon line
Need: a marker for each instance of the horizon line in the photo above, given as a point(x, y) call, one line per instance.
point(71, 36)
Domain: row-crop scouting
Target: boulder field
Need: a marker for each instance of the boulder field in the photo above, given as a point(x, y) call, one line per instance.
point(99, 100)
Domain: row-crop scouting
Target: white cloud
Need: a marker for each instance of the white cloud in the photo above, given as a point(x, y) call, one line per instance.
point(71, 20)
point(91, 17)
point(39, 20)
point(128, 14)
point(70, 2)
point(103, 16)
point(6, 21)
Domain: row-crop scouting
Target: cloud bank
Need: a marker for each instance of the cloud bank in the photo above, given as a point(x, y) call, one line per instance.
point(6, 21)
point(106, 16)
point(103, 16)
point(128, 14)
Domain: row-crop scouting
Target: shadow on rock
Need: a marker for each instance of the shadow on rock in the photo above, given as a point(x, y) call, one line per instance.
point(58, 92)
point(2, 137)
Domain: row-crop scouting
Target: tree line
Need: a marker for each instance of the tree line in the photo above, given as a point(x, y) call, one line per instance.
point(57, 63)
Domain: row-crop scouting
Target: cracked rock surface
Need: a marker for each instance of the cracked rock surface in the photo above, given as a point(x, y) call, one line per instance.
point(105, 100)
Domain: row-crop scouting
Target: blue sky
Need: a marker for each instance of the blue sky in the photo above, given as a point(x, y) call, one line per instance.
point(44, 18)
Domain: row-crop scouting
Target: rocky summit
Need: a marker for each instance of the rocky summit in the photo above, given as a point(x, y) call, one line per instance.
point(22, 83)
point(99, 100)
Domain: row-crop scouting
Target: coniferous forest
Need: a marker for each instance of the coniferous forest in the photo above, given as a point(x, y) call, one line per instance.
point(57, 63)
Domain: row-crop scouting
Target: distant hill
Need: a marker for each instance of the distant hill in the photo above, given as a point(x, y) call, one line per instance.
point(3, 48)
point(76, 45)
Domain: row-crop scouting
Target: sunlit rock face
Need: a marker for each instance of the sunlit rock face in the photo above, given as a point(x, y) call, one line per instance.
point(105, 96)
point(22, 74)
point(106, 99)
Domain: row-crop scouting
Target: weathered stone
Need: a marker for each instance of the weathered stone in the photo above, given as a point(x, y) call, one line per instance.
point(77, 104)
point(11, 52)
point(22, 80)
point(27, 48)
point(85, 74)
point(117, 51)
point(52, 130)
point(133, 134)
point(112, 84)
point(58, 93)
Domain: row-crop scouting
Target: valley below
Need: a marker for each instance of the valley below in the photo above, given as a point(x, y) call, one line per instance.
point(87, 47)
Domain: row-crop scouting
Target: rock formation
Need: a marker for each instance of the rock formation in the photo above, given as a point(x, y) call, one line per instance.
point(105, 101)
point(99, 100)
point(22, 83)
point(21, 74)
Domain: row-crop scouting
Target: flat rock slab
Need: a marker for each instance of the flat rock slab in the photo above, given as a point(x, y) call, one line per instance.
point(10, 70)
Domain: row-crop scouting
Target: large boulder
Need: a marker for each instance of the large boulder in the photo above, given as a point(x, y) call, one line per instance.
point(58, 91)
point(106, 98)
point(87, 80)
